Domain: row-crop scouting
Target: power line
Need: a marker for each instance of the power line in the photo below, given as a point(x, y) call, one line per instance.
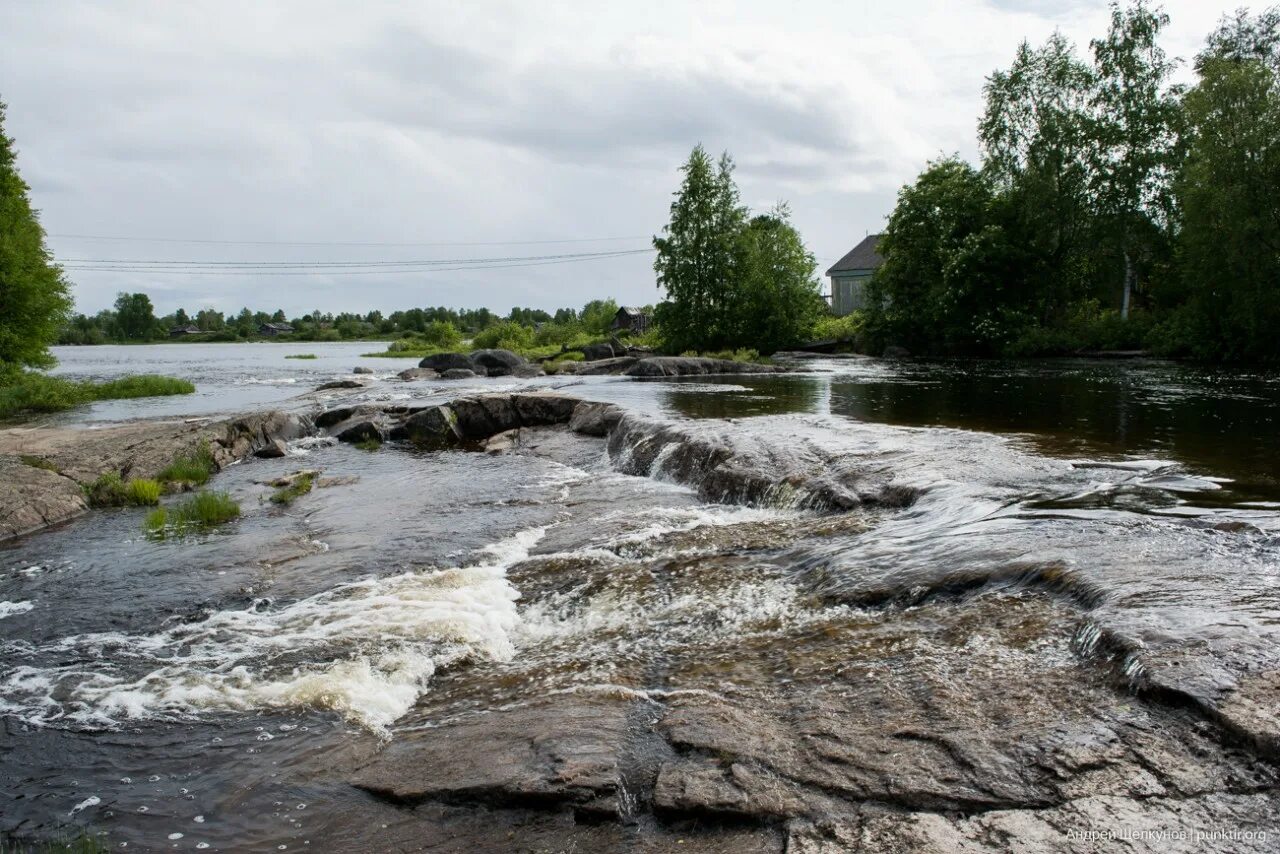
point(342, 243)
point(350, 272)
point(339, 264)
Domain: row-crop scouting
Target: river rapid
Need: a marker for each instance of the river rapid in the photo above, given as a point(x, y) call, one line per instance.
point(1069, 566)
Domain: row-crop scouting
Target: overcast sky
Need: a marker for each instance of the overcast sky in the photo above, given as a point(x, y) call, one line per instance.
point(481, 123)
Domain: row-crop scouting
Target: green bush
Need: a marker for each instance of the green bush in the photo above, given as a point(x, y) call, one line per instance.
point(109, 490)
point(30, 391)
point(199, 512)
point(838, 328)
point(370, 444)
point(504, 336)
point(194, 467)
point(301, 356)
point(441, 333)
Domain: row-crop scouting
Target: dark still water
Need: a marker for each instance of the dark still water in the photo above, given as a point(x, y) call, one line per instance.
point(249, 689)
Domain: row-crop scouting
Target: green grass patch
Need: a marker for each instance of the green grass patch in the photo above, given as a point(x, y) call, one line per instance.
point(31, 392)
point(194, 467)
point(370, 444)
point(82, 844)
point(742, 354)
point(37, 462)
point(300, 486)
point(200, 512)
point(301, 356)
point(110, 490)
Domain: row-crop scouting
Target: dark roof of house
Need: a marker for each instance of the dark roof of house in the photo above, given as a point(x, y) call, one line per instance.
point(631, 310)
point(861, 257)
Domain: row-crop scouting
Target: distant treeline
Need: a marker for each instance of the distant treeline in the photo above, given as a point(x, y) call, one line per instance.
point(1111, 209)
point(133, 320)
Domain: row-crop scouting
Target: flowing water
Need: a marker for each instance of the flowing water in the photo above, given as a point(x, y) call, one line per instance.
point(212, 693)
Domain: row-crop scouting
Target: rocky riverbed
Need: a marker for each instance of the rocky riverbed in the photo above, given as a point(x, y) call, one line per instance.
point(537, 622)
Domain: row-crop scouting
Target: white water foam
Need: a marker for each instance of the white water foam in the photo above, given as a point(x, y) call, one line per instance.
point(8, 609)
point(366, 650)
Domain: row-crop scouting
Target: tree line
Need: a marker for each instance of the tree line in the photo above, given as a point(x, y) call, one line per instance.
point(133, 320)
point(1111, 209)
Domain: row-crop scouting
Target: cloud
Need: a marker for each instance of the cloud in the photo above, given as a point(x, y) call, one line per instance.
point(440, 122)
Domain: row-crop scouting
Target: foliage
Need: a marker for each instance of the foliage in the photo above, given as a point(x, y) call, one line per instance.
point(596, 317)
point(109, 490)
point(1102, 189)
point(192, 467)
point(31, 391)
point(731, 280)
point(79, 844)
point(370, 444)
point(135, 317)
point(199, 512)
point(301, 356)
point(441, 333)
point(507, 335)
point(298, 486)
point(35, 297)
point(844, 328)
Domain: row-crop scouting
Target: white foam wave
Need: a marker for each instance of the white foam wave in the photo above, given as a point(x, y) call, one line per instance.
point(8, 609)
point(366, 650)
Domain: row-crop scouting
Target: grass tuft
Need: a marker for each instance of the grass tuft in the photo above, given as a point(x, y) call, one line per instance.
point(194, 467)
point(299, 486)
point(81, 844)
point(301, 356)
point(197, 513)
point(110, 490)
point(370, 444)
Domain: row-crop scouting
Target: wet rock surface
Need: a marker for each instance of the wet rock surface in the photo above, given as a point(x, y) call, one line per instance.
point(32, 498)
point(684, 366)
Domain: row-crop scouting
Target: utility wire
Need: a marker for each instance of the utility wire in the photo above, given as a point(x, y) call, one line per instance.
point(349, 272)
point(342, 243)
point(325, 264)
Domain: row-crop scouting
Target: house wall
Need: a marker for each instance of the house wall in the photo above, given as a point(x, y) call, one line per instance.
point(849, 291)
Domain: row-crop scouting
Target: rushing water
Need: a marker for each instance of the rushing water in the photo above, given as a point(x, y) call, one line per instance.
point(208, 693)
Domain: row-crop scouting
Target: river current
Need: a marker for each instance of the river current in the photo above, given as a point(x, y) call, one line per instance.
point(212, 693)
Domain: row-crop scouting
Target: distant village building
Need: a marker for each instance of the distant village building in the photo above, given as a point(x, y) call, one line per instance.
point(271, 330)
point(851, 274)
point(632, 319)
point(180, 331)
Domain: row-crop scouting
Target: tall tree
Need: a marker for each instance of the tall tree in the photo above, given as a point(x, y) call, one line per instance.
point(35, 298)
point(697, 254)
point(1230, 239)
point(135, 317)
point(777, 299)
point(1135, 116)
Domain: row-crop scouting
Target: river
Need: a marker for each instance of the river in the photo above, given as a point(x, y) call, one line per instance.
point(1045, 554)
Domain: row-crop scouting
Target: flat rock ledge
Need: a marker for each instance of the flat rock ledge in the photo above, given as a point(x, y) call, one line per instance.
point(43, 471)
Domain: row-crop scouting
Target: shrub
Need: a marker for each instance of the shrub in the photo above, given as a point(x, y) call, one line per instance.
point(370, 444)
point(194, 467)
point(504, 336)
point(142, 385)
point(143, 492)
point(441, 333)
point(199, 512)
point(838, 328)
point(301, 356)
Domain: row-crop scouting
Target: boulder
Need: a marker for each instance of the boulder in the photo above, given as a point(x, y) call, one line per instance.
point(443, 362)
point(537, 409)
point(684, 366)
point(603, 366)
point(495, 363)
point(339, 414)
point(340, 384)
point(893, 351)
point(273, 450)
point(478, 418)
point(595, 419)
point(359, 429)
point(603, 350)
point(529, 372)
point(458, 374)
point(361, 370)
point(32, 498)
point(432, 428)
point(410, 374)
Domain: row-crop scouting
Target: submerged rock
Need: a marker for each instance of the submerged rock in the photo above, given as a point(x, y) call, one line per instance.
point(458, 374)
point(275, 449)
point(683, 366)
point(361, 370)
point(616, 365)
point(410, 374)
point(340, 384)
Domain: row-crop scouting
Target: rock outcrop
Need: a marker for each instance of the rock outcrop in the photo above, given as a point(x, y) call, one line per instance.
point(684, 366)
point(32, 498)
